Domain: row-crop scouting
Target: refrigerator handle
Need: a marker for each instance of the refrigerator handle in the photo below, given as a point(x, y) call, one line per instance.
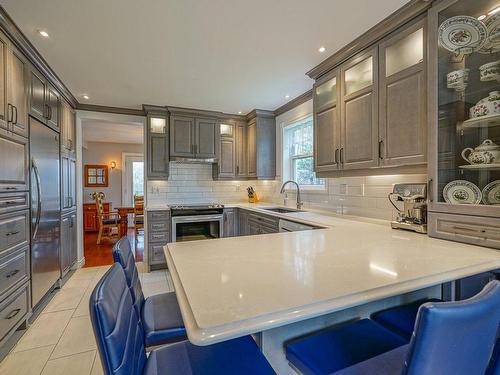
point(39, 198)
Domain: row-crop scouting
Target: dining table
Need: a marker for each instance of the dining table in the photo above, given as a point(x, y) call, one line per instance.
point(124, 211)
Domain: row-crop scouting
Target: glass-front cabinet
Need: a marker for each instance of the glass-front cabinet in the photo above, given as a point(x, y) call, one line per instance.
point(464, 119)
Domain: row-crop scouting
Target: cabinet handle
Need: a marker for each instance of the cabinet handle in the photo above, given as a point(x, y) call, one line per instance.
point(429, 190)
point(469, 229)
point(380, 149)
point(10, 188)
point(342, 155)
point(10, 113)
point(336, 156)
point(11, 233)
point(15, 121)
point(11, 273)
point(13, 313)
point(10, 203)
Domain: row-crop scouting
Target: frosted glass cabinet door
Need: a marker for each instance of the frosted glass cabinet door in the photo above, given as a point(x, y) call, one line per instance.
point(326, 95)
point(359, 76)
point(406, 52)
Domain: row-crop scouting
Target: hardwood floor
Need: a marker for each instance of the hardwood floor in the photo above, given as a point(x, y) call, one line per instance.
point(100, 255)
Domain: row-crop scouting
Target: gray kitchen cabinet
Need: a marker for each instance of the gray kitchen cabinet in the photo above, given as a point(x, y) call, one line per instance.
point(403, 95)
point(44, 100)
point(13, 89)
point(230, 222)
point(14, 269)
point(327, 123)
point(14, 151)
point(68, 128)
point(359, 112)
point(68, 254)
point(241, 149)
point(261, 224)
point(261, 144)
point(158, 232)
point(157, 143)
point(68, 182)
point(182, 136)
point(14, 231)
point(206, 137)
point(226, 166)
point(242, 222)
point(14, 311)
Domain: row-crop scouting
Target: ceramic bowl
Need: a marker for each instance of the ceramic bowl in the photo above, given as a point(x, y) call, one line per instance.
point(487, 106)
point(490, 71)
point(458, 79)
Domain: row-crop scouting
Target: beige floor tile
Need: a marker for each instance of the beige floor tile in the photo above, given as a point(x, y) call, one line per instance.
point(84, 273)
point(46, 330)
point(150, 289)
point(28, 362)
point(83, 306)
point(97, 367)
point(153, 277)
point(78, 282)
point(78, 337)
point(77, 364)
point(66, 299)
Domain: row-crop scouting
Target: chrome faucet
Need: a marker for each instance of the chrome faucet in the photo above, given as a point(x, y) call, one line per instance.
point(299, 202)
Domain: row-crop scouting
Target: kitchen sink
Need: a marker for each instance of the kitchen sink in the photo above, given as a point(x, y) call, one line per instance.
point(281, 210)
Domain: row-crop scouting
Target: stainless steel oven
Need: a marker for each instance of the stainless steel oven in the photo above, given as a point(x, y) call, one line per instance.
point(200, 222)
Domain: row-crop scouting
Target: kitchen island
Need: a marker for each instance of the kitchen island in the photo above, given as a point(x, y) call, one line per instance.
point(285, 285)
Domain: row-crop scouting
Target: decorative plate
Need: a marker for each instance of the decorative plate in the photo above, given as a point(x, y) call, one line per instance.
point(491, 193)
point(462, 34)
point(492, 42)
point(462, 192)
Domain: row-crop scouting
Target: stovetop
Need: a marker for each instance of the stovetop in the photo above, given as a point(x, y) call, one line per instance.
point(197, 206)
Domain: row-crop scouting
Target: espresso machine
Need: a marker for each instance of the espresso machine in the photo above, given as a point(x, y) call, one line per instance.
point(413, 213)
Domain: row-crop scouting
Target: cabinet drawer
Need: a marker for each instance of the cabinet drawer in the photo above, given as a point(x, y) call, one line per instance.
point(476, 230)
point(159, 237)
point(13, 202)
point(160, 226)
point(264, 220)
point(158, 215)
point(13, 309)
point(14, 269)
point(14, 230)
point(157, 256)
point(14, 156)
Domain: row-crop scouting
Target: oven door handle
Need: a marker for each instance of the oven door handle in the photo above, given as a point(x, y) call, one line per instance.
point(196, 218)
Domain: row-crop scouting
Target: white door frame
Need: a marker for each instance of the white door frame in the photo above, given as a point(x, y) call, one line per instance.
point(126, 156)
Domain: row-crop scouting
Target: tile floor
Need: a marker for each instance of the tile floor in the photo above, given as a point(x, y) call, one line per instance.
point(61, 340)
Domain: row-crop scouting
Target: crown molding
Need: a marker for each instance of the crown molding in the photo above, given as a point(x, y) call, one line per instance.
point(294, 103)
point(21, 42)
point(107, 109)
point(401, 16)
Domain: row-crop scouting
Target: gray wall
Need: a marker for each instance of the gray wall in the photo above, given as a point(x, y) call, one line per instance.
point(104, 153)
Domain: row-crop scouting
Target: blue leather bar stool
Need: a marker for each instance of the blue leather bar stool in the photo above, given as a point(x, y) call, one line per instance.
point(401, 319)
point(450, 338)
point(160, 313)
point(119, 334)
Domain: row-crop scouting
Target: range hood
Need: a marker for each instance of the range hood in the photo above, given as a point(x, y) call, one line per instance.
point(191, 160)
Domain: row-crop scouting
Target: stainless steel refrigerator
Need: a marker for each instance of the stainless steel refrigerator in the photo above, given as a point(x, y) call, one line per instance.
point(45, 209)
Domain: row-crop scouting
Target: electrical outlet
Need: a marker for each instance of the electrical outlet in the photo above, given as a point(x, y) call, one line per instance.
point(343, 189)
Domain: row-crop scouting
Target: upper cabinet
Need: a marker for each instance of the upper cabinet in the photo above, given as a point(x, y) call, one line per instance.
point(261, 145)
point(359, 112)
point(44, 100)
point(370, 111)
point(193, 136)
point(13, 89)
point(157, 143)
point(68, 128)
point(403, 114)
point(232, 159)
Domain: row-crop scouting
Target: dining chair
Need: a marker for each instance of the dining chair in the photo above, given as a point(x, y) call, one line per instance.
point(449, 338)
point(109, 222)
point(138, 215)
point(119, 335)
point(160, 313)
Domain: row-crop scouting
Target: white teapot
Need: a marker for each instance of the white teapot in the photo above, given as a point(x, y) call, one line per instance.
point(486, 153)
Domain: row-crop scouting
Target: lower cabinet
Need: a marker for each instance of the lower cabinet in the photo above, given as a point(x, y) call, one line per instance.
point(158, 231)
point(14, 310)
point(230, 222)
point(252, 223)
point(68, 255)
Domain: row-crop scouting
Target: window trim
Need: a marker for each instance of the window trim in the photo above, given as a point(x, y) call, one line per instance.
point(289, 158)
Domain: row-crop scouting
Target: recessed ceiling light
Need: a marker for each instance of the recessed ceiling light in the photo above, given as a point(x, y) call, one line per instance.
point(322, 49)
point(481, 17)
point(497, 9)
point(239, 112)
point(43, 33)
point(86, 97)
point(287, 96)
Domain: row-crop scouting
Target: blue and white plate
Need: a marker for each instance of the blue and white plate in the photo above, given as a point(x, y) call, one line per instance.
point(462, 192)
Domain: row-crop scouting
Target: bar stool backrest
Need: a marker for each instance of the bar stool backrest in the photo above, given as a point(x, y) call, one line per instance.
point(122, 254)
point(456, 337)
point(117, 328)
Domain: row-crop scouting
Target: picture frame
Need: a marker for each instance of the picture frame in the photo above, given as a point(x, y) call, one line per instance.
point(96, 175)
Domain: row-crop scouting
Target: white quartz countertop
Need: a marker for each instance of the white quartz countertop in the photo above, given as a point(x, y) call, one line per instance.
point(235, 286)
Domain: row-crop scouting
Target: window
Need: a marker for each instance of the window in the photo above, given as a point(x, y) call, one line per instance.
point(298, 164)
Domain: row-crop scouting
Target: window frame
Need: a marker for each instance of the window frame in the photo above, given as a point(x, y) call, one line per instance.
point(289, 160)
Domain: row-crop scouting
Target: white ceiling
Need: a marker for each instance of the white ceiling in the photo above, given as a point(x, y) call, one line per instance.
point(227, 55)
point(112, 132)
